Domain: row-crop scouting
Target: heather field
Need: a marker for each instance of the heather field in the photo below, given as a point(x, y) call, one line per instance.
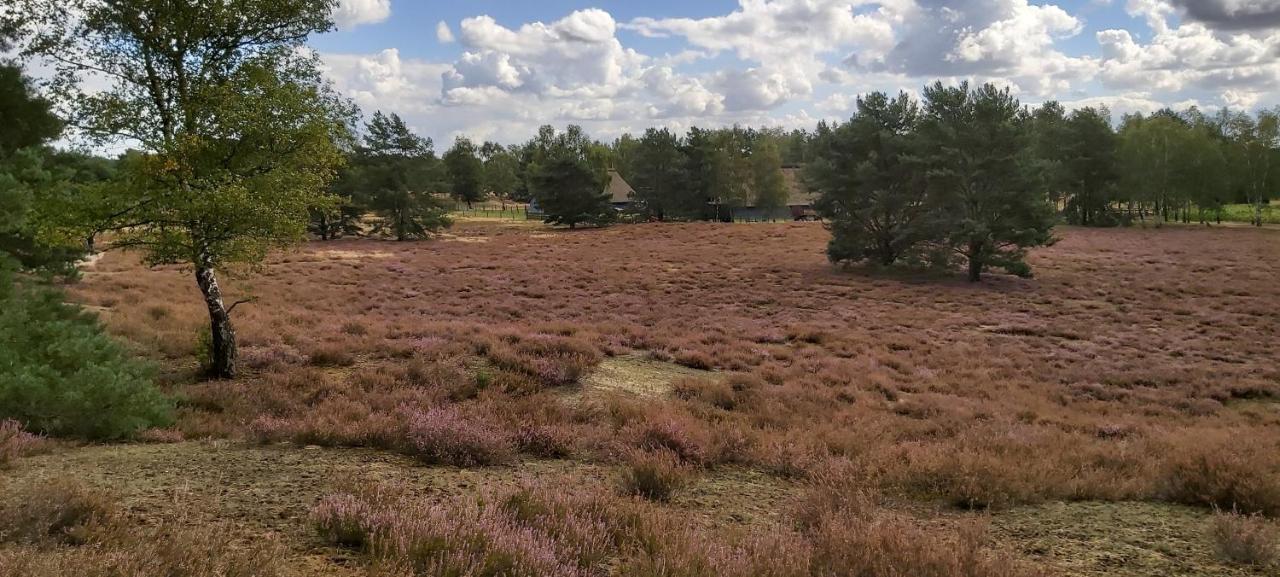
point(687, 399)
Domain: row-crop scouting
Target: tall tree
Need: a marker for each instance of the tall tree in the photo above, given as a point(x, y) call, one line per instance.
point(29, 123)
point(466, 171)
point(975, 144)
point(768, 184)
point(1147, 150)
point(397, 172)
point(871, 182)
point(568, 178)
point(699, 150)
point(501, 170)
point(730, 173)
point(1255, 142)
point(235, 123)
point(1089, 170)
point(657, 169)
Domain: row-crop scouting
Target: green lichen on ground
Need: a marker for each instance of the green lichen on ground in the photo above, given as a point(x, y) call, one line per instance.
point(1094, 539)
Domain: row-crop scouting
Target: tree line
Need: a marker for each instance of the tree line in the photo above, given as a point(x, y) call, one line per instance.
point(971, 175)
point(707, 175)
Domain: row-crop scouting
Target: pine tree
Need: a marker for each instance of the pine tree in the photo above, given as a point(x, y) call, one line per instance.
point(657, 170)
point(975, 145)
point(397, 172)
point(568, 178)
point(871, 183)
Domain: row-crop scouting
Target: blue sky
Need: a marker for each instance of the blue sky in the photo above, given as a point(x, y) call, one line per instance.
point(497, 69)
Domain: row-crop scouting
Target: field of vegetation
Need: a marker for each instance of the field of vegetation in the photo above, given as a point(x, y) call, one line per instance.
point(686, 399)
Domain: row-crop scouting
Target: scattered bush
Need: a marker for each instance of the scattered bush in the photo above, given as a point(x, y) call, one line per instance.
point(63, 377)
point(546, 441)
point(443, 435)
point(553, 360)
point(461, 537)
point(694, 360)
point(1229, 471)
point(15, 442)
point(1246, 539)
point(682, 437)
point(51, 511)
point(332, 355)
point(653, 475)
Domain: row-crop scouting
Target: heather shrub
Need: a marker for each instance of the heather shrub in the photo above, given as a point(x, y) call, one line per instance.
point(683, 438)
point(694, 360)
point(546, 441)
point(350, 520)
point(1246, 539)
point(443, 435)
point(464, 537)
point(332, 355)
point(64, 377)
point(1232, 471)
point(15, 442)
point(653, 475)
point(553, 360)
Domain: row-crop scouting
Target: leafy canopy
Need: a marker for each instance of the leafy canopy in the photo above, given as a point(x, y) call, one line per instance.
point(235, 128)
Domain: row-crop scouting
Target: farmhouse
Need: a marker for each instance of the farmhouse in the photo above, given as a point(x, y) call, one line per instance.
point(620, 193)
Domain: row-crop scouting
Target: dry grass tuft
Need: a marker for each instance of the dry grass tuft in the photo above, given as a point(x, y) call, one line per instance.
point(15, 442)
point(1246, 539)
point(656, 476)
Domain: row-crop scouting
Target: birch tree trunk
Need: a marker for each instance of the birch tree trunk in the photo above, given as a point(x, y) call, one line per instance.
point(222, 345)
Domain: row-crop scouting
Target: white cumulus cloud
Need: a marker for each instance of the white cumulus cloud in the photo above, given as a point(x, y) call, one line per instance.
point(352, 13)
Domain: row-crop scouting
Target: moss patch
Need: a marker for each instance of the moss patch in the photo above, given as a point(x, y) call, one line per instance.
point(637, 375)
point(1116, 539)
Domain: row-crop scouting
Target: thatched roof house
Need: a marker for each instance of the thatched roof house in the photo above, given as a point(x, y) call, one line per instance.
point(620, 193)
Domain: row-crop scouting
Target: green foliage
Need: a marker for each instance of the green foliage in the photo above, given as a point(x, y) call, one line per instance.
point(238, 134)
point(466, 171)
point(730, 174)
point(1254, 157)
point(952, 182)
point(330, 223)
point(64, 377)
point(979, 170)
point(656, 170)
point(501, 170)
point(26, 182)
point(568, 178)
point(25, 116)
point(395, 172)
point(872, 183)
point(768, 185)
point(1075, 161)
point(27, 175)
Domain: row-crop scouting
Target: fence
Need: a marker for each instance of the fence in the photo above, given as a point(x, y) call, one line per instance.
point(510, 211)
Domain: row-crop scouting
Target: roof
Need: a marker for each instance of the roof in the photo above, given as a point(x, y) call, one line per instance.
point(619, 191)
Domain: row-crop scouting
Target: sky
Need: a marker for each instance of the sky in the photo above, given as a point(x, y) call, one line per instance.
point(496, 70)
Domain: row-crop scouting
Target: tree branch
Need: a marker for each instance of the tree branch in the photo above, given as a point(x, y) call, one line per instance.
point(240, 302)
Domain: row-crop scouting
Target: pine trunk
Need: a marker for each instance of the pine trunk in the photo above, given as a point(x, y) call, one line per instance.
point(975, 262)
point(222, 346)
